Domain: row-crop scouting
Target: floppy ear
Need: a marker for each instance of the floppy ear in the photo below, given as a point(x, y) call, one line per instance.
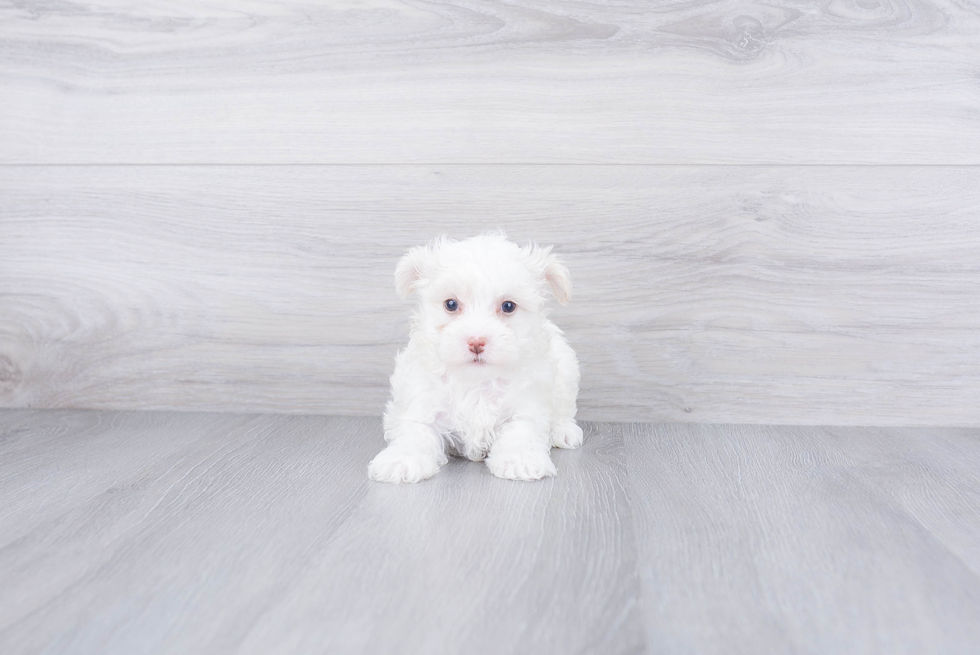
point(411, 268)
point(553, 271)
point(558, 279)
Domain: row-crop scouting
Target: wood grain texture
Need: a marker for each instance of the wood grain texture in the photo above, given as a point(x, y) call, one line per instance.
point(932, 474)
point(468, 81)
point(740, 294)
point(194, 533)
point(806, 540)
point(154, 532)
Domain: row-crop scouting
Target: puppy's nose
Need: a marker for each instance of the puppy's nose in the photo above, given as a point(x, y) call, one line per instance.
point(476, 344)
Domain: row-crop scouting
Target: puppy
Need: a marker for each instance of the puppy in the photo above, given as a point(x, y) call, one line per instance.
point(485, 374)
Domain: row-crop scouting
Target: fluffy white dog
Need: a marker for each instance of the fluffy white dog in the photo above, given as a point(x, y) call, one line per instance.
point(485, 374)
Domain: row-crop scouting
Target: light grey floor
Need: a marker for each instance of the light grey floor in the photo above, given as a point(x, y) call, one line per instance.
point(144, 532)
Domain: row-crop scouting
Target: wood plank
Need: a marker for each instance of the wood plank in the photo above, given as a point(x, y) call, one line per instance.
point(768, 295)
point(770, 539)
point(55, 460)
point(263, 535)
point(532, 81)
point(933, 474)
point(214, 517)
point(127, 532)
point(472, 564)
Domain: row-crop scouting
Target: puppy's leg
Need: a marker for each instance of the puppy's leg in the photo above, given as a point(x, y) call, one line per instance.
point(565, 433)
point(415, 452)
point(520, 451)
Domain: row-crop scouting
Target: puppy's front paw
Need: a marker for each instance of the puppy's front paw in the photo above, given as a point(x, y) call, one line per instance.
point(530, 464)
point(397, 465)
point(566, 434)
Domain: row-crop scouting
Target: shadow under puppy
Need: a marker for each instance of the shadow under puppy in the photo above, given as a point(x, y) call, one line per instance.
point(485, 374)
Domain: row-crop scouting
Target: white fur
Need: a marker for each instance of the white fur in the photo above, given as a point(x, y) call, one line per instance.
point(508, 404)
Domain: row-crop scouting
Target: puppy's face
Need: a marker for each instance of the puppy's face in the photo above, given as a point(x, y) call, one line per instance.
point(481, 301)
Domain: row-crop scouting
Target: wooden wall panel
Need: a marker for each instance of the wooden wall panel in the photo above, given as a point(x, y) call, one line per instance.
point(471, 81)
point(840, 295)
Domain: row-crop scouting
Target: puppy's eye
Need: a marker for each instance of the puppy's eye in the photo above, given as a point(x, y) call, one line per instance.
point(451, 305)
point(508, 307)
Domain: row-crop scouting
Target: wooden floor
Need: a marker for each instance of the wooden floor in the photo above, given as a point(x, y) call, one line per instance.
point(146, 532)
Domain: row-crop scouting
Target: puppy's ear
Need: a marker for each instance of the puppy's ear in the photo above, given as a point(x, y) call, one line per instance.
point(558, 279)
point(555, 274)
point(411, 268)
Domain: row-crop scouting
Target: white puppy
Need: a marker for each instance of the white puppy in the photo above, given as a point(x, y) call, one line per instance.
point(485, 374)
